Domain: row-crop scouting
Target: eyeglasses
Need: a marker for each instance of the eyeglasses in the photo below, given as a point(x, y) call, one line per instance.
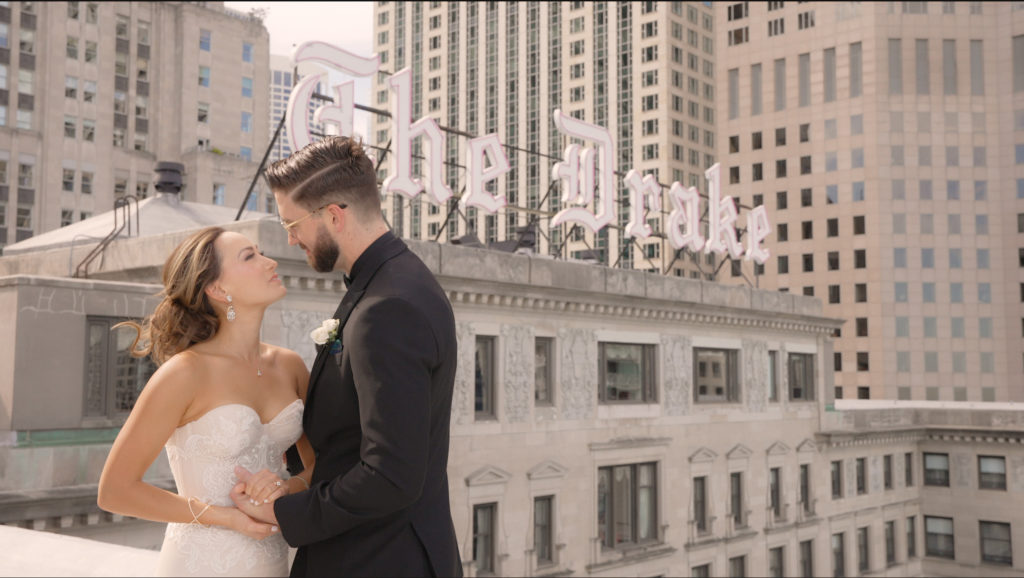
point(289, 227)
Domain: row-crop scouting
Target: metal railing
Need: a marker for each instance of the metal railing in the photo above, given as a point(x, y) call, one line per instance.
point(122, 209)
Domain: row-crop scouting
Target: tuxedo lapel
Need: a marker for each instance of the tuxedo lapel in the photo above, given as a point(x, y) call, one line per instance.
point(391, 247)
point(348, 302)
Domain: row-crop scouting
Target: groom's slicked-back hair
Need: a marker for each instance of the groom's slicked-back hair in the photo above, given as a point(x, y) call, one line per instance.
point(334, 169)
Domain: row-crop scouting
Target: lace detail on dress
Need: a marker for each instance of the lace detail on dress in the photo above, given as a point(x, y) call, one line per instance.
point(203, 455)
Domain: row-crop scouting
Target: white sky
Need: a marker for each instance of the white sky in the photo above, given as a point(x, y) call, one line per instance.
point(348, 25)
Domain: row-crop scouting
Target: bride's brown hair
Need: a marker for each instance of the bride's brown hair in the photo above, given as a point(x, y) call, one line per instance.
point(185, 315)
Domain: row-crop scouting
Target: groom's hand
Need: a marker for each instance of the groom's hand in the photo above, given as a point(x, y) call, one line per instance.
point(263, 512)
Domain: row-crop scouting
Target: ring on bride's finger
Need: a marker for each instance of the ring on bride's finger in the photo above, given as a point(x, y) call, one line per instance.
point(277, 483)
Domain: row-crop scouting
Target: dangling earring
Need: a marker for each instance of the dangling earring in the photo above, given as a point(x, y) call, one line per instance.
point(231, 310)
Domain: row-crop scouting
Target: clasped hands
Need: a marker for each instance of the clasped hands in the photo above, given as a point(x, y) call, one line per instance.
point(254, 494)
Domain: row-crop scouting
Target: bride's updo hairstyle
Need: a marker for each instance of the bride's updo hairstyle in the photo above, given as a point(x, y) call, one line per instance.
point(185, 315)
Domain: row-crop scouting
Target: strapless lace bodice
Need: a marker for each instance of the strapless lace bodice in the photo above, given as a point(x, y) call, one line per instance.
point(203, 455)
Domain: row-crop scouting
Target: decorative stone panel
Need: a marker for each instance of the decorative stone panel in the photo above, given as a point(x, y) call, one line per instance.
point(577, 372)
point(518, 373)
point(755, 374)
point(295, 327)
point(462, 398)
point(677, 373)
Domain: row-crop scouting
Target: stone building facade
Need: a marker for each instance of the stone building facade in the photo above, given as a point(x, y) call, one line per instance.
point(605, 422)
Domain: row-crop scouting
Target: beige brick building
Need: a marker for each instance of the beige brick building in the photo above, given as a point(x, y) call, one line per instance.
point(644, 70)
point(885, 140)
point(94, 93)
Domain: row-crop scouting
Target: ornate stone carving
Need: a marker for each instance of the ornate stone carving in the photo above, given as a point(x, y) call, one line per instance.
point(577, 372)
point(783, 375)
point(518, 371)
point(296, 325)
point(462, 398)
point(756, 370)
point(677, 373)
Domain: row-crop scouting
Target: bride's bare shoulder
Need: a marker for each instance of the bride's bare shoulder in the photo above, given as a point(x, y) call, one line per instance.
point(291, 363)
point(182, 371)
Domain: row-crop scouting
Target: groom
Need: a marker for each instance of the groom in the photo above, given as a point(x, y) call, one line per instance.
point(379, 401)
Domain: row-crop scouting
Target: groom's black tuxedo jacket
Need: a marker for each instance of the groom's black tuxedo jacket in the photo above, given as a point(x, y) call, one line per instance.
point(377, 415)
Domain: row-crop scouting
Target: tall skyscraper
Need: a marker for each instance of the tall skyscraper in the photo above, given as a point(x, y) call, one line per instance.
point(281, 83)
point(105, 90)
point(644, 70)
point(885, 140)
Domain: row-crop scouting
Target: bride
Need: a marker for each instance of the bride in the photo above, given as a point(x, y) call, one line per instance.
point(219, 399)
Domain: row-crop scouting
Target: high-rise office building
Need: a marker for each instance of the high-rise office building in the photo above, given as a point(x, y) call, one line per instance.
point(643, 70)
point(885, 139)
point(282, 80)
point(105, 90)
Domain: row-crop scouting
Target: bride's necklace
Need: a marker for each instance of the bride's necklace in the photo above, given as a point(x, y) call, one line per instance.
point(259, 364)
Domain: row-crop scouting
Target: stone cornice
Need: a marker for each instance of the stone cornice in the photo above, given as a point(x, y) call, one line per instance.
point(690, 314)
point(835, 440)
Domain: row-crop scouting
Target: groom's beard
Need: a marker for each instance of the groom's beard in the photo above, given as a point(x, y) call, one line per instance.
point(324, 255)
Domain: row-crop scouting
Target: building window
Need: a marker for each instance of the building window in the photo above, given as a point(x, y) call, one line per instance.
point(908, 469)
point(716, 375)
point(938, 537)
point(776, 562)
point(544, 348)
point(86, 183)
point(936, 470)
point(627, 372)
point(863, 561)
point(70, 126)
point(736, 511)
point(543, 537)
point(992, 472)
point(890, 543)
point(204, 76)
point(246, 87)
point(700, 504)
point(484, 520)
point(775, 491)
point(245, 153)
point(218, 194)
point(246, 52)
point(862, 476)
point(996, 547)
point(805, 488)
point(807, 559)
point(68, 181)
point(887, 471)
point(801, 377)
point(25, 175)
point(89, 91)
point(738, 567)
point(485, 378)
point(204, 39)
point(113, 378)
point(627, 505)
point(838, 554)
point(911, 537)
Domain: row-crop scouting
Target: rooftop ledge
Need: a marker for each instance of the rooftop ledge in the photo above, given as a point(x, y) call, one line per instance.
point(31, 553)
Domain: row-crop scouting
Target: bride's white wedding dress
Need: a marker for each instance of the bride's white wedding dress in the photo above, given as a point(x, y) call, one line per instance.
point(203, 455)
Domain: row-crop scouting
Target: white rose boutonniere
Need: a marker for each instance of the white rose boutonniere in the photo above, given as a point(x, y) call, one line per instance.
point(327, 334)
